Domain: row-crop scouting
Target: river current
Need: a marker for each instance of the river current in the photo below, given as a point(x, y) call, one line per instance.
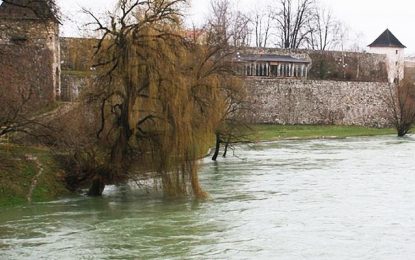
point(314, 199)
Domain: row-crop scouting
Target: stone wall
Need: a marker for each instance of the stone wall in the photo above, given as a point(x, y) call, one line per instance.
point(77, 53)
point(77, 61)
point(284, 101)
point(73, 83)
point(32, 32)
point(27, 69)
point(18, 35)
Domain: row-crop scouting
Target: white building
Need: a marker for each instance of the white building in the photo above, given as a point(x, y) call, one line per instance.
point(394, 50)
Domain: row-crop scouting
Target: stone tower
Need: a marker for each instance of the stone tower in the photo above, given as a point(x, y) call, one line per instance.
point(394, 50)
point(29, 34)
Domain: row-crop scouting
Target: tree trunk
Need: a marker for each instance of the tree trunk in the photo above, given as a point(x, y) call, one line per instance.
point(403, 129)
point(119, 151)
point(217, 147)
point(97, 187)
point(226, 149)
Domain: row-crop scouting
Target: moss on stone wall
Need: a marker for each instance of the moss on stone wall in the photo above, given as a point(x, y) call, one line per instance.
point(348, 66)
point(77, 53)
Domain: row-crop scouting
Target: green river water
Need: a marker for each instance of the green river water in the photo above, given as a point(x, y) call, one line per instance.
point(318, 199)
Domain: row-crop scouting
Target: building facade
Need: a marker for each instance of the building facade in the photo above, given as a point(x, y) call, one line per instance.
point(272, 65)
point(394, 50)
point(29, 33)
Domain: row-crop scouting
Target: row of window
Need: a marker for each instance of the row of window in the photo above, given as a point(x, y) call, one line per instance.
point(279, 70)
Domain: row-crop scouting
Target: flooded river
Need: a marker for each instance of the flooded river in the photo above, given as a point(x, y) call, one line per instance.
point(319, 199)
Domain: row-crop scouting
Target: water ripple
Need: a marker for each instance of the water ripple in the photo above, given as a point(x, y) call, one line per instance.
point(316, 199)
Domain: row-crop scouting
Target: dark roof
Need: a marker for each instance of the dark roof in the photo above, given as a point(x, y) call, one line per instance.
point(387, 39)
point(27, 9)
point(269, 58)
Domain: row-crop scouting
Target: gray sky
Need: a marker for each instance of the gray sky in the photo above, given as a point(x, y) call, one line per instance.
point(367, 19)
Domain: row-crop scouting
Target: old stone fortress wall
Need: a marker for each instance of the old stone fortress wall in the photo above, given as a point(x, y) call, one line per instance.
point(284, 86)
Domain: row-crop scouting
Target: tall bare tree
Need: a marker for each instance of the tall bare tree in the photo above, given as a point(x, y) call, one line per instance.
point(226, 26)
point(324, 30)
point(227, 35)
point(292, 18)
point(262, 27)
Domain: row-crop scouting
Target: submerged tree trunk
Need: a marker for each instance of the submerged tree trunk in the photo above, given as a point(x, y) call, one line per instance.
point(119, 151)
point(217, 147)
point(194, 179)
point(118, 160)
point(403, 129)
point(97, 187)
point(226, 149)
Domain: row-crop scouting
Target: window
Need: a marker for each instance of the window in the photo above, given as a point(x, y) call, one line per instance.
point(397, 52)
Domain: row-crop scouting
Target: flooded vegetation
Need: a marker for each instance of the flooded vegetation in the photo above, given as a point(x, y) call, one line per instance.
point(336, 199)
point(81, 123)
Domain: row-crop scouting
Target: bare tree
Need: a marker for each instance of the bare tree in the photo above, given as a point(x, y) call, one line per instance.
point(325, 30)
point(401, 104)
point(356, 42)
point(227, 27)
point(233, 128)
point(23, 95)
point(292, 18)
point(227, 32)
point(14, 116)
point(262, 25)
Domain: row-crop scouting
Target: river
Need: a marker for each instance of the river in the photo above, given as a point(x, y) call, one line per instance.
point(317, 199)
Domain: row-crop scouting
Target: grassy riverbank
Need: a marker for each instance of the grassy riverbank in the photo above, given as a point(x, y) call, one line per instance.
point(280, 132)
point(28, 173)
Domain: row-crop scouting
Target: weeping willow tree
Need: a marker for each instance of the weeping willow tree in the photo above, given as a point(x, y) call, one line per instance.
point(158, 94)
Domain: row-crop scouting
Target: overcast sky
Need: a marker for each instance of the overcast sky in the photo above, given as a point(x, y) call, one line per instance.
point(367, 19)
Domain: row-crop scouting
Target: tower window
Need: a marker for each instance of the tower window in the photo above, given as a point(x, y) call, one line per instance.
point(397, 52)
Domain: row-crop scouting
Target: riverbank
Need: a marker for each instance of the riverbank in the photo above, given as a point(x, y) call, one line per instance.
point(283, 132)
point(32, 174)
point(28, 174)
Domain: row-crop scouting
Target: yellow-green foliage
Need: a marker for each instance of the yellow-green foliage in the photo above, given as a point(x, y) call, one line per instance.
point(77, 54)
point(160, 96)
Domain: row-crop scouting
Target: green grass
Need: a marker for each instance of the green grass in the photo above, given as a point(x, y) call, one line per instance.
point(279, 132)
point(17, 172)
point(78, 73)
